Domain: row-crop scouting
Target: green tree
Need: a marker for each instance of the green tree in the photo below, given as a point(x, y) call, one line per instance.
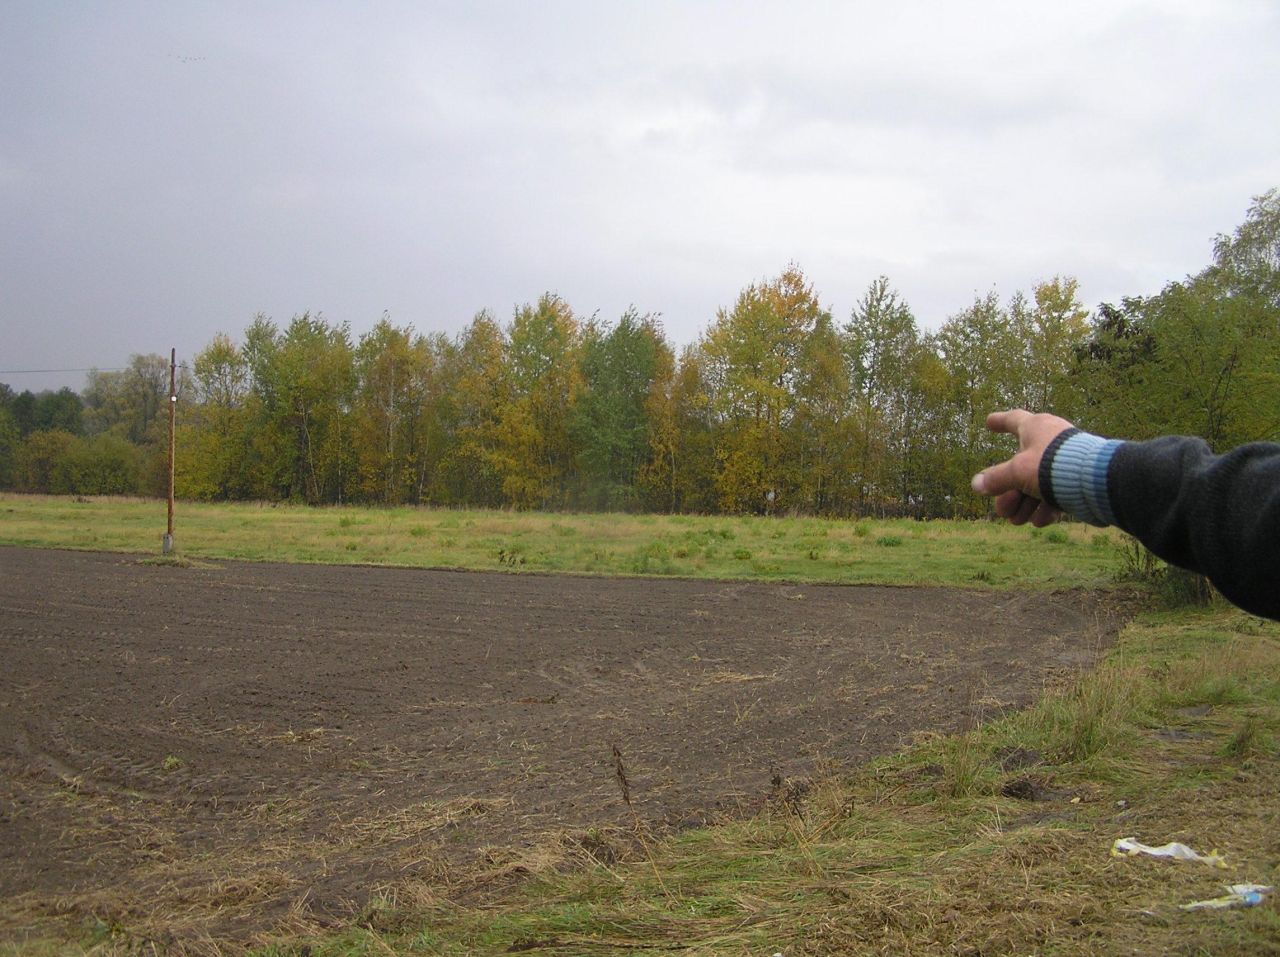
point(302, 380)
point(212, 448)
point(1191, 361)
point(23, 407)
point(44, 411)
point(981, 351)
point(927, 481)
point(133, 403)
point(610, 426)
point(882, 345)
point(61, 410)
point(268, 455)
point(1203, 356)
point(1247, 262)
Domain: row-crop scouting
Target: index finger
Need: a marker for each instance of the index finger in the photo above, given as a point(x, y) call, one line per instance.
point(1009, 421)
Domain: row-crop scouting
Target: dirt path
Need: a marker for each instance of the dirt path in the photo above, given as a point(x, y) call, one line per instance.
point(216, 750)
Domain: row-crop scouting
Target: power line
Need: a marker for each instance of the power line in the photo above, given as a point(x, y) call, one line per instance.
point(47, 371)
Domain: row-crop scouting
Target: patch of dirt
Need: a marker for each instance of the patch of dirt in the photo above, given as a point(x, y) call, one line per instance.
point(211, 752)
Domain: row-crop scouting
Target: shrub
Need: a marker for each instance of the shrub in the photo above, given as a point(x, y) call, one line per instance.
point(37, 459)
point(1174, 587)
point(61, 464)
point(654, 558)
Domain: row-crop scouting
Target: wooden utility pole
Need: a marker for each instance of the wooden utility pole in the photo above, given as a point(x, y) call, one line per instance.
point(173, 403)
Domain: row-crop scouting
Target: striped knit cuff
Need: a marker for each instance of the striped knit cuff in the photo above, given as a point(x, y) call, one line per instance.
point(1077, 472)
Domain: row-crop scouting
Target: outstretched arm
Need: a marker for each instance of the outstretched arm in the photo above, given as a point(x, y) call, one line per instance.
point(1215, 514)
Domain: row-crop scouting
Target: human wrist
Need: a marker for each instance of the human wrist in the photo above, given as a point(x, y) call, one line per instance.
point(1073, 475)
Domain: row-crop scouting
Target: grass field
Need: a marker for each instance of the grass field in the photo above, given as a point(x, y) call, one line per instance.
point(995, 841)
point(900, 552)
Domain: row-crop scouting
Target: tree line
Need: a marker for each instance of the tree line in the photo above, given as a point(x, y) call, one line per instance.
point(779, 407)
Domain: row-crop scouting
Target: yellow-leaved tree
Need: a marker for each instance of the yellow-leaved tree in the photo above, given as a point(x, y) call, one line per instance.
point(753, 367)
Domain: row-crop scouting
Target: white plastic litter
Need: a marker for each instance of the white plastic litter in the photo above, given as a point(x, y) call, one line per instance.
point(1129, 847)
point(1238, 895)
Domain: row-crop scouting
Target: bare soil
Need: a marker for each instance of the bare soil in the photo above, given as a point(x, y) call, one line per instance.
point(209, 753)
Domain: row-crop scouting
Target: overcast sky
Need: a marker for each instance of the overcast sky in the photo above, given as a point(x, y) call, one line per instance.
point(168, 170)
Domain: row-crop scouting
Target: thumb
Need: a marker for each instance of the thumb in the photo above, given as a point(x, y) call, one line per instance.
point(1001, 478)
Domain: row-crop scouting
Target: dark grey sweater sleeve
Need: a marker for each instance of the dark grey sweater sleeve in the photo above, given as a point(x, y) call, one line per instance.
point(1218, 515)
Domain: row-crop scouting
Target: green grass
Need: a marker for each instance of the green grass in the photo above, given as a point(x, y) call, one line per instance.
point(900, 552)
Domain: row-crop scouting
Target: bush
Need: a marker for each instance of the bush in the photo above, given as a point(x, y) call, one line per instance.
point(653, 559)
point(105, 465)
point(10, 443)
point(1177, 588)
point(1174, 587)
point(39, 457)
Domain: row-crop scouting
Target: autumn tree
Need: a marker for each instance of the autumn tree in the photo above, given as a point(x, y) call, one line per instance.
point(823, 430)
point(424, 432)
point(212, 448)
point(37, 460)
point(753, 364)
point(10, 442)
point(680, 471)
point(1052, 329)
point(474, 390)
point(534, 454)
point(926, 484)
point(385, 383)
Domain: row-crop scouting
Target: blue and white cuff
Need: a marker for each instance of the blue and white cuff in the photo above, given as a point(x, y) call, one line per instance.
point(1074, 476)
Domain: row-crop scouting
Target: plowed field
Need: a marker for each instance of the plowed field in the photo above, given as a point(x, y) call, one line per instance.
point(217, 750)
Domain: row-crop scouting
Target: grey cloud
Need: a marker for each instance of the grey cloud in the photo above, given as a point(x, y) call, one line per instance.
point(165, 172)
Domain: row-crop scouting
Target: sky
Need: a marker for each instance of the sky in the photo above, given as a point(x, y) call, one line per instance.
point(170, 170)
